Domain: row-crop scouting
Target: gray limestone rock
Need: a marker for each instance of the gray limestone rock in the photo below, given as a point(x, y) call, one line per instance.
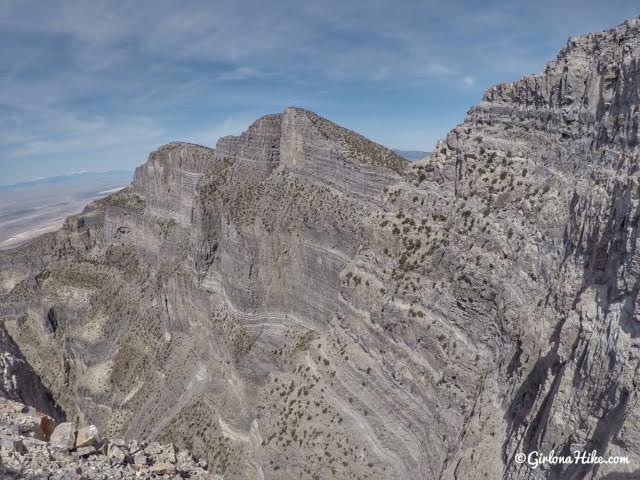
point(25, 457)
point(85, 451)
point(116, 453)
point(163, 469)
point(64, 436)
point(140, 459)
point(87, 436)
point(302, 300)
point(13, 444)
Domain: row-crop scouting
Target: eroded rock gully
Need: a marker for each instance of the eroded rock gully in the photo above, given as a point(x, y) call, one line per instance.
point(300, 302)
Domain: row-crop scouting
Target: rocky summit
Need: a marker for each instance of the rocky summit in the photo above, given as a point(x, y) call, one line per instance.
point(301, 302)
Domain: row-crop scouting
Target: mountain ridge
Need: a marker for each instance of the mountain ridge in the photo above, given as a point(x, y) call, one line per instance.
point(301, 299)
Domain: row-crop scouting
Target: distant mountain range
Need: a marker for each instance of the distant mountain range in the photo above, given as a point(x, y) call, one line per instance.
point(412, 155)
point(85, 178)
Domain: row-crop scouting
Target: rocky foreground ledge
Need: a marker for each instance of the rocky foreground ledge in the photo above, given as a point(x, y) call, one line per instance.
point(33, 447)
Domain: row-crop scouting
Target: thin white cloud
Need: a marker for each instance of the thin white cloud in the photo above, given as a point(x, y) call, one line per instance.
point(73, 135)
point(229, 126)
point(438, 69)
point(468, 81)
point(239, 73)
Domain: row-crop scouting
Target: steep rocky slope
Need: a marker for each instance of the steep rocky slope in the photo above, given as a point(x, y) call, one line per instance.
point(18, 381)
point(300, 302)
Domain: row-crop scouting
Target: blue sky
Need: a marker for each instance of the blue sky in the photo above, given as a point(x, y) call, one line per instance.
point(96, 85)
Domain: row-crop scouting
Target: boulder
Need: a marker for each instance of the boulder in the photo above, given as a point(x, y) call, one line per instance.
point(34, 442)
point(169, 454)
point(28, 424)
point(13, 444)
point(184, 457)
point(163, 469)
point(161, 453)
point(35, 424)
point(153, 449)
point(116, 453)
point(140, 459)
point(85, 451)
point(63, 436)
point(87, 436)
point(119, 442)
point(134, 447)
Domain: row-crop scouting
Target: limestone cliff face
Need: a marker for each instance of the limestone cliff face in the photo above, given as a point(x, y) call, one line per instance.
point(549, 164)
point(301, 302)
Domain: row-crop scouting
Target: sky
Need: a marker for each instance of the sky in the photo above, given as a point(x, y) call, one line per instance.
point(96, 85)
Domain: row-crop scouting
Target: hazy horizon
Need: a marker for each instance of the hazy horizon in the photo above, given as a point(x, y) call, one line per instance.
point(64, 175)
point(29, 209)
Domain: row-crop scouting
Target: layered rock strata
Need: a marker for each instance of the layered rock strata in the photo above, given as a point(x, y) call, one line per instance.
point(302, 302)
